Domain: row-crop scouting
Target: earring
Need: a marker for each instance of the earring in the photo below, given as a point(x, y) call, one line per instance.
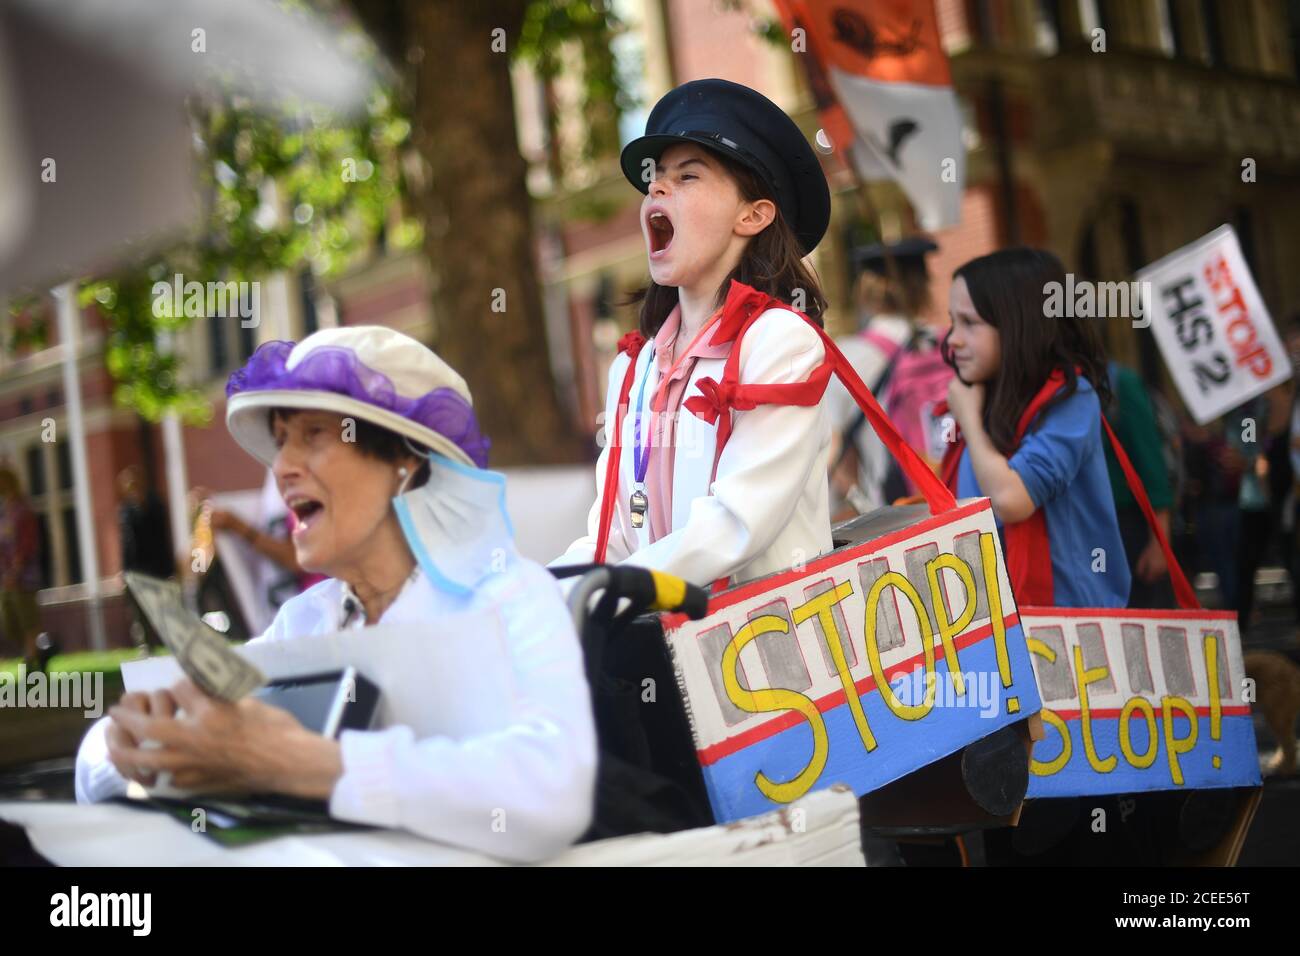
point(401, 472)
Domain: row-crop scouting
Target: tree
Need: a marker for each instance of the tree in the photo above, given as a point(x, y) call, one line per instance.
point(338, 185)
point(477, 213)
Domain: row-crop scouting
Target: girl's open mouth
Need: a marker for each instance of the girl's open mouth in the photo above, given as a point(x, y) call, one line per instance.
point(660, 230)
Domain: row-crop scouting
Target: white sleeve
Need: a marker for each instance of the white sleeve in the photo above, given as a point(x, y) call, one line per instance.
point(524, 792)
point(763, 467)
point(583, 550)
point(96, 777)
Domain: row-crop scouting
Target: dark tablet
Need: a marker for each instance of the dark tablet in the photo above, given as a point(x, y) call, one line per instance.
point(327, 703)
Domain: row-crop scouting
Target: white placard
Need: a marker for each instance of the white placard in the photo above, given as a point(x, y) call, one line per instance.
point(1212, 325)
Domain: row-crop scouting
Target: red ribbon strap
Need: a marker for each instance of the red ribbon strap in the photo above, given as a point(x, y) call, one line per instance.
point(632, 343)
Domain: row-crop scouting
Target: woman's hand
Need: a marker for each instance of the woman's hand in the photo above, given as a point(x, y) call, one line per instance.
point(121, 742)
point(966, 402)
point(218, 745)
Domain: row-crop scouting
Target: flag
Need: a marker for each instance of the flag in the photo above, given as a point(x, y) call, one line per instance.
point(883, 87)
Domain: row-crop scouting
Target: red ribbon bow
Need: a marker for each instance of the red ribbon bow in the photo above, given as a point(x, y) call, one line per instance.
point(742, 304)
point(632, 343)
point(716, 398)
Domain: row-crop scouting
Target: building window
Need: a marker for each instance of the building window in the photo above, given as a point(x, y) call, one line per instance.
point(35, 471)
point(1047, 27)
point(1213, 35)
point(64, 458)
point(1293, 30)
point(1244, 223)
point(1167, 29)
point(71, 547)
point(47, 557)
point(218, 357)
point(247, 341)
point(307, 293)
point(56, 516)
point(1091, 17)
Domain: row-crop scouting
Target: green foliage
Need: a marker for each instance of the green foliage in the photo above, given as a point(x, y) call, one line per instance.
point(281, 194)
point(552, 27)
point(761, 23)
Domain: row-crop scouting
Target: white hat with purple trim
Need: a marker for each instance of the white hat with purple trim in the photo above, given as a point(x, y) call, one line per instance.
point(369, 372)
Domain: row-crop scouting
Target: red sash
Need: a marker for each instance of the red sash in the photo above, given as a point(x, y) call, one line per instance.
point(1028, 545)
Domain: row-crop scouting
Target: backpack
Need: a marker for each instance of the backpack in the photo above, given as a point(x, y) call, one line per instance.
point(915, 380)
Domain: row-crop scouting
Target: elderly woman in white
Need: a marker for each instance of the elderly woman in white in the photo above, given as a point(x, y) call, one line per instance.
point(405, 538)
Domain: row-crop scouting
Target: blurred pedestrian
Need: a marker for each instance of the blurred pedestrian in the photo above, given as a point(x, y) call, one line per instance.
point(1265, 483)
point(146, 532)
point(896, 354)
point(1132, 416)
point(20, 570)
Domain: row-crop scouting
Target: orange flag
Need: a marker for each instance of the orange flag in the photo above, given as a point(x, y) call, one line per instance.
point(884, 91)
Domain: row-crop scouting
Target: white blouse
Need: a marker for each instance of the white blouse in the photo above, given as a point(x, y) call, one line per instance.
point(522, 792)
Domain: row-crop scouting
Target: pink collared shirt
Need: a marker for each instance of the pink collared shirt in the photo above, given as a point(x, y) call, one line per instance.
point(666, 405)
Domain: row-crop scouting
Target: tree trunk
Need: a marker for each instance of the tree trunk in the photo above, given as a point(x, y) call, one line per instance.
point(478, 225)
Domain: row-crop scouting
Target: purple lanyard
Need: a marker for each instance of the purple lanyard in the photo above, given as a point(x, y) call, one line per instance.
point(641, 463)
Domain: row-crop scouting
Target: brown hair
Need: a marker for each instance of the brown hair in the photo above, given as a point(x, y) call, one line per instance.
point(1009, 290)
point(772, 263)
point(909, 297)
point(373, 441)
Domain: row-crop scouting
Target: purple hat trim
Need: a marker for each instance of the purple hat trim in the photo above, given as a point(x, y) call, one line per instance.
point(336, 369)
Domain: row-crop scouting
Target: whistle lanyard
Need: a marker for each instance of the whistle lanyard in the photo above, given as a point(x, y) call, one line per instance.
point(641, 463)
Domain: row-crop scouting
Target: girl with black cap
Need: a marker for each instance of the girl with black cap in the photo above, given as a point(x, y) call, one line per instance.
point(735, 485)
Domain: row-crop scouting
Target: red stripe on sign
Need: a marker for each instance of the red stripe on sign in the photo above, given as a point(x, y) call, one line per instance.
point(1112, 713)
point(725, 748)
point(1030, 610)
point(783, 578)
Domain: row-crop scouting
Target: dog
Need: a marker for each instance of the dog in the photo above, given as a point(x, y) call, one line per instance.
point(1277, 699)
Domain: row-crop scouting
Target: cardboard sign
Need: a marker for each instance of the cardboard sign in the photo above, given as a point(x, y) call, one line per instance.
point(1128, 704)
point(1212, 326)
point(869, 663)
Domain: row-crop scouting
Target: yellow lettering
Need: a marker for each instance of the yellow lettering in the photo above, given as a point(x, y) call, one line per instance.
point(1126, 743)
point(820, 607)
point(905, 711)
point(764, 701)
point(1040, 768)
point(950, 629)
point(1176, 745)
point(1086, 677)
point(993, 588)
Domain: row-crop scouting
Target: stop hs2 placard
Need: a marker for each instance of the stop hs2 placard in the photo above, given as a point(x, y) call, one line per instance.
point(1212, 326)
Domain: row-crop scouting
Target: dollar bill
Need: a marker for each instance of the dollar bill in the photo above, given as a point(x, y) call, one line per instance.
point(203, 654)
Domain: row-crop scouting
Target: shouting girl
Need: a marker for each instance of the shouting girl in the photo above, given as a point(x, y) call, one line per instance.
point(715, 464)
